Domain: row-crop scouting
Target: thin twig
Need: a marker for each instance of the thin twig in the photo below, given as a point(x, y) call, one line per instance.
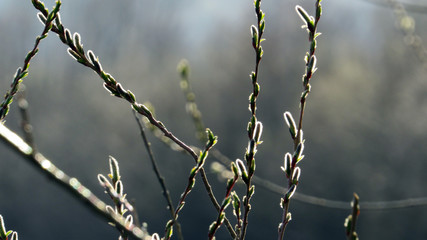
point(291, 170)
point(351, 220)
point(160, 178)
point(190, 99)
point(227, 199)
point(191, 182)
point(254, 126)
point(22, 72)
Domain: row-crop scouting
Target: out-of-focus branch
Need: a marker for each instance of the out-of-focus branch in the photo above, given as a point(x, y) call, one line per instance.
point(410, 7)
point(25, 118)
point(70, 184)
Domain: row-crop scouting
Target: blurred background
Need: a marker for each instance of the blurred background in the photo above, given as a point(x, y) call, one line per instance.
point(365, 124)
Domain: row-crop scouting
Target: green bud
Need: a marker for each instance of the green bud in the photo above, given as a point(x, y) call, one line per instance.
point(295, 175)
point(287, 164)
point(309, 21)
point(183, 68)
point(235, 170)
point(73, 54)
point(250, 130)
point(77, 43)
point(257, 4)
point(260, 53)
point(2, 228)
point(347, 224)
point(202, 157)
point(94, 60)
point(236, 202)
point(40, 6)
point(23, 74)
point(242, 169)
point(142, 109)
point(262, 27)
point(122, 92)
point(251, 191)
point(212, 228)
point(42, 18)
point(193, 173)
point(291, 124)
point(169, 229)
point(68, 38)
point(282, 203)
point(258, 132)
point(211, 137)
point(256, 89)
point(288, 217)
point(221, 217)
point(298, 154)
point(119, 188)
point(226, 202)
point(131, 97)
point(112, 90)
point(253, 77)
point(254, 33)
point(318, 11)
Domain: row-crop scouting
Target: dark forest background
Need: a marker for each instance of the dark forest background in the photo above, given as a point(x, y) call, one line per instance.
point(365, 122)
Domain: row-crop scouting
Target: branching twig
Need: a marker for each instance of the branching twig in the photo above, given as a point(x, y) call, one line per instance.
point(77, 52)
point(227, 199)
point(168, 142)
point(22, 72)
point(191, 182)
